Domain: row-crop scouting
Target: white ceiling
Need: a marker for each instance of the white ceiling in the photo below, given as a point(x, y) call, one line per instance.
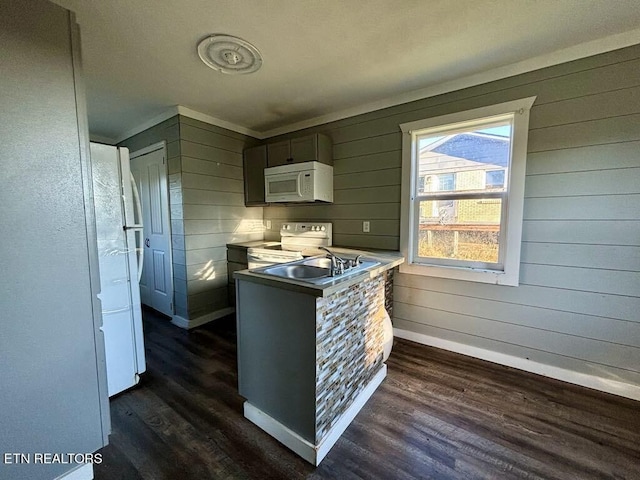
point(323, 59)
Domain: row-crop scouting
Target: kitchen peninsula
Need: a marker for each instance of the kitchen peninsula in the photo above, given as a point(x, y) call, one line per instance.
point(310, 355)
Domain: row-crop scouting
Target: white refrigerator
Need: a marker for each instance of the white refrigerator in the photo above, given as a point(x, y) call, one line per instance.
point(119, 233)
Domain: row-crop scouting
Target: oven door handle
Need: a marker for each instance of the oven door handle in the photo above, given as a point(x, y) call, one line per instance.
point(271, 259)
point(257, 257)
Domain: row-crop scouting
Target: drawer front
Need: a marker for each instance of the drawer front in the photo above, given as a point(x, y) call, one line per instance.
point(237, 255)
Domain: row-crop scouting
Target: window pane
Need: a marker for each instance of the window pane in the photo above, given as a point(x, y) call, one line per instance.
point(461, 161)
point(495, 179)
point(460, 229)
point(444, 182)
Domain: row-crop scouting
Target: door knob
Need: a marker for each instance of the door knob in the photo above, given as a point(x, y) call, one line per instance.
point(147, 242)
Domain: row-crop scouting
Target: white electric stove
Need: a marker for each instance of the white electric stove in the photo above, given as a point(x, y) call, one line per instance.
point(297, 240)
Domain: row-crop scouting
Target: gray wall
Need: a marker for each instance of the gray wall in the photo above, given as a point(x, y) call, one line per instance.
point(169, 132)
point(213, 211)
point(53, 392)
point(206, 198)
point(578, 300)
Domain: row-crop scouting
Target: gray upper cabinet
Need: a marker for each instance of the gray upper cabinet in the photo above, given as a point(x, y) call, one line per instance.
point(279, 153)
point(310, 148)
point(254, 163)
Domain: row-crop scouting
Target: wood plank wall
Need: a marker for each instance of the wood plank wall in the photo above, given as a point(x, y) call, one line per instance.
point(578, 303)
point(206, 198)
point(213, 210)
point(169, 132)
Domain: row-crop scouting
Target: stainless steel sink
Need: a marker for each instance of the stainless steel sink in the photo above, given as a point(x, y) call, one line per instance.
point(321, 262)
point(299, 272)
point(314, 270)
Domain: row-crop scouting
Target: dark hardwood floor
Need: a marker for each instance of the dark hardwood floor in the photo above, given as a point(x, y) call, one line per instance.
point(437, 415)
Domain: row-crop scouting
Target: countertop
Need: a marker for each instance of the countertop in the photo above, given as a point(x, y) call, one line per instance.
point(252, 244)
point(387, 259)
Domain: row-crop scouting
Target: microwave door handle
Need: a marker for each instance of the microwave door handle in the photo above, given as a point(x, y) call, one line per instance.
point(299, 184)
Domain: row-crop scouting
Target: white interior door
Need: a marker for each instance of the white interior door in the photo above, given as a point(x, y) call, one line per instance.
point(149, 169)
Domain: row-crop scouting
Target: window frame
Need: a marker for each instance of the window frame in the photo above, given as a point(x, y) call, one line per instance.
point(511, 232)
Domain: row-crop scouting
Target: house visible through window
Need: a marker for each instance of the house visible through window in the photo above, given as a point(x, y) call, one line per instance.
point(455, 221)
point(495, 179)
point(464, 203)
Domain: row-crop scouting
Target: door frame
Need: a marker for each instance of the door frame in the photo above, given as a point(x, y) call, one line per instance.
point(162, 145)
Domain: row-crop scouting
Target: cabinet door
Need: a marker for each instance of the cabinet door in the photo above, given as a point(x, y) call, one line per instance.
point(255, 161)
point(304, 149)
point(279, 153)
point(236, 260)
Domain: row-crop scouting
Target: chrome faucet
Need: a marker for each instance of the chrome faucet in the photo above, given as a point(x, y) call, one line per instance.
point(338, 265)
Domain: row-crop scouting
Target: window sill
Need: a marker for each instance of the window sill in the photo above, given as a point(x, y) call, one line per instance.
point(464, 274)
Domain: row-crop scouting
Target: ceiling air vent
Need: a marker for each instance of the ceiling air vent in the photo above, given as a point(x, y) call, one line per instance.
point(228, 54)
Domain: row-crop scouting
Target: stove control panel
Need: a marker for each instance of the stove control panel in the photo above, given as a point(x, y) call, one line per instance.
point(299, 228)
point(312, 233)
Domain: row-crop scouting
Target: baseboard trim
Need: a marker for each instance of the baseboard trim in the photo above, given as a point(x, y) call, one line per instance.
point(606, 385)
point(187, 324)
point(290, 439)
point(82, 472)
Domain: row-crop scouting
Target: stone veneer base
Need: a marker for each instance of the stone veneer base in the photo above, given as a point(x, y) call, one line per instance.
point(314, 453)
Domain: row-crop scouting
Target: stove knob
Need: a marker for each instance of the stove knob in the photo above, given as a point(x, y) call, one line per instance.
point(323, 228)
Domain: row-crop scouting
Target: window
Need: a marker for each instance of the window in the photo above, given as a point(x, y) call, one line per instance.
point(494, 179)
point(463, 192)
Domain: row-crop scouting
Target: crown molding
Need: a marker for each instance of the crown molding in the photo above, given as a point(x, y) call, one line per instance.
point(155, 120)
point(564, 55)
point(583, 50)
point(218, 122)
point(187, 112)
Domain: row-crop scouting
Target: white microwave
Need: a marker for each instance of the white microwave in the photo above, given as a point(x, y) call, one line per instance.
point(299, 182)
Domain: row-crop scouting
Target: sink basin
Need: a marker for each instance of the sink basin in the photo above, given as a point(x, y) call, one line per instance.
point(299, 272)
point(318, 262)
point(314, 270)
point(366, 264)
